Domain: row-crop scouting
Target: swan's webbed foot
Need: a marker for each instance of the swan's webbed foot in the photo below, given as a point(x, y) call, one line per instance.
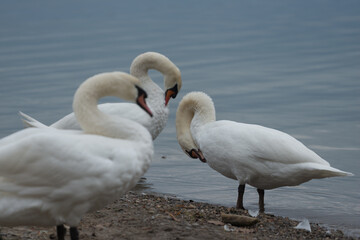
point(60, 231)
point(74, 233)
point(261, 193)
point(239, 203)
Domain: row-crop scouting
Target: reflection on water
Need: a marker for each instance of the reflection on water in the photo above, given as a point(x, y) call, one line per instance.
point(293, 67)
point(143, 186)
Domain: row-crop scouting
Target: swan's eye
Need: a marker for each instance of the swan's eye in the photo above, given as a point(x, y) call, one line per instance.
point(174, 91)
point(141, 91)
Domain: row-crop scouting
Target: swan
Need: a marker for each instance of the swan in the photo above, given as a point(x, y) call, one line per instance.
point(51, 177)
point(157, 99)
point(262, 157)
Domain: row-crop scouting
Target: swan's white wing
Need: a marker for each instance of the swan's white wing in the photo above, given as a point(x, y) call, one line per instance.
point(67, 122)
point(263, 157)
point(63, 175)
point(130, 111)
point(127, 110)
point(239, 140)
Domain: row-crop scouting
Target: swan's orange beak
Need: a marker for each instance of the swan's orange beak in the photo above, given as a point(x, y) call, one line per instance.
point(140, 100)
point(196, 154)
point(171, 93)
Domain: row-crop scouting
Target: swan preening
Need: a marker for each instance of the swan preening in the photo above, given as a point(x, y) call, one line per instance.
point(262, 157)
point(51, 177)
point(157, 98)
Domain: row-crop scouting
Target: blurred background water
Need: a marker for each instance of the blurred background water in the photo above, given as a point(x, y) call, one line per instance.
point(293, 66)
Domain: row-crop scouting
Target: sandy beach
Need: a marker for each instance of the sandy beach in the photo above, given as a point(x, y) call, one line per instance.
point(139, 215)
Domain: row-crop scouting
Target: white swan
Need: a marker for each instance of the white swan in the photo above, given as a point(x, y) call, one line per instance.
point(157, 99)
point(52, 177)
point(261, 157)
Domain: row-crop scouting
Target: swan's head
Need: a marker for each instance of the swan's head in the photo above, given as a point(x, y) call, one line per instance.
point(196, 153)
point(153, 60)
point(172, 84)
point(194, 110)
point(188, 145)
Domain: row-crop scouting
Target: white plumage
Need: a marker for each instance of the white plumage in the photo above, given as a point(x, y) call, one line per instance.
point(262, 157)
point(53, 177)
point(157, 99)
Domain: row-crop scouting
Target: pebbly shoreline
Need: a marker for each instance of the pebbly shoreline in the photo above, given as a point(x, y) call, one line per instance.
point(140, 215)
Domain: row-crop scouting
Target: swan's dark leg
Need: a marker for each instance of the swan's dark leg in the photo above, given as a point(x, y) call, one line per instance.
point(261, 193)
point(74, 234)
point(239, 203)
point(61, 231)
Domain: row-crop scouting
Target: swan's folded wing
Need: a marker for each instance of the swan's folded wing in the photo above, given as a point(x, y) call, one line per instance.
point(49, 176)
point(51, 163)
point(265, 144)
point(67, 122)
point(128, 110)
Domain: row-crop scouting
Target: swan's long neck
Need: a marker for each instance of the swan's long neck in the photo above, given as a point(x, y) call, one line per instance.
point(194, 111)
point(202, 107)
point(92, 120)
point(151, 60)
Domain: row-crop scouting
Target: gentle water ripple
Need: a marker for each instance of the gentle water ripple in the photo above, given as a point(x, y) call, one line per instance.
point(293, 67)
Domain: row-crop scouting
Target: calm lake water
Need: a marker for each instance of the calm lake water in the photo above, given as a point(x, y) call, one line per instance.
point(293, 66)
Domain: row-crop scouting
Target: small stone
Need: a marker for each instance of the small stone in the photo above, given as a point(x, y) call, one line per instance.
point(238, 220)
point(216, 222)
point(227, 228)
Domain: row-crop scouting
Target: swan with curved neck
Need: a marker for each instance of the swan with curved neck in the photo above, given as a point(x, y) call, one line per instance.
point(152, 60)
point(157, 98)
point(94, 121)
point(51, 177)
point(251, 154)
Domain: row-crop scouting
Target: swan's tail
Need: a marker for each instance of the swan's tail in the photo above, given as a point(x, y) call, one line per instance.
point(327, 171)
point(30, 122)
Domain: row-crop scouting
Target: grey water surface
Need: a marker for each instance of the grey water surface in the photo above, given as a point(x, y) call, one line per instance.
point(289, 65)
